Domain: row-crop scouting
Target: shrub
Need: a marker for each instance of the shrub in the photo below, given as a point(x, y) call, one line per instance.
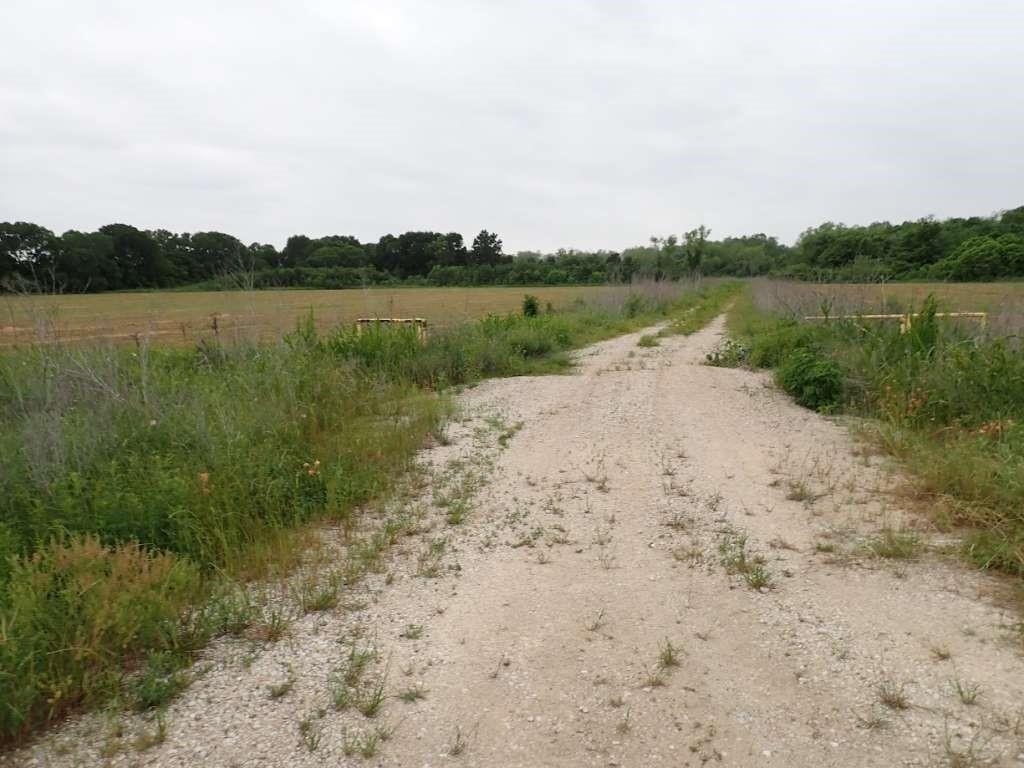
point(71, 612)
point(531, 306)
point(813, 380)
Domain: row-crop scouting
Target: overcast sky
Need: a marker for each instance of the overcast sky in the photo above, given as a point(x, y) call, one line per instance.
point(580, 124)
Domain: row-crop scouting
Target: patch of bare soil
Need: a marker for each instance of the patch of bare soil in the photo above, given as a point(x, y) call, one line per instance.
point(648, 562)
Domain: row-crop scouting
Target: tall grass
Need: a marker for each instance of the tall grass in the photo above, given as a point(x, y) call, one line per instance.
point(947, 397)
point(134, 480)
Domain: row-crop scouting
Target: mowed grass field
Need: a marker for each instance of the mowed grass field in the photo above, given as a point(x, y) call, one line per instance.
point(184, 317)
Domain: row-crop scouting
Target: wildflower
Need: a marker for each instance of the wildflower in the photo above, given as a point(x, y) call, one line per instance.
point(313, 470)
point(152, 422)
point(204, 483)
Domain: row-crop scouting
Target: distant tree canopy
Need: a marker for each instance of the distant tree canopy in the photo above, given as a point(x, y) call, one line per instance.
point(121, 257)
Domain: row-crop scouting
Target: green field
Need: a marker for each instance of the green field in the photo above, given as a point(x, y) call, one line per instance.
point(184, 317)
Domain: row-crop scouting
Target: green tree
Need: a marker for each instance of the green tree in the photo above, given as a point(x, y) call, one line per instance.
point(694, 248)
point(486, 248)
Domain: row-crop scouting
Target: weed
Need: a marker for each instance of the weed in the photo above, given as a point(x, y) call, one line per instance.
point(280, 690)
point(692, 555)
point(892, 694)
point(757, 577)
point(966, 692)
point(458, 744)
point(872, 721)
point(509, 433)
point(598, 621)
point(274, 627)
point(798, 490)
point(428, 565)
point(372, 698)
point(624, 726)
point(969, 755)
point(310, 732)
point(160, 681)
point(648, 340)
point(606, 558)
point(654, 680)
point(412, 632)
point(895, 545)
point(733, 555)
point(678, 521)
point(314, 596)
point(941, 652)
point(668, 656)
point(412, 695)
point(149, 739)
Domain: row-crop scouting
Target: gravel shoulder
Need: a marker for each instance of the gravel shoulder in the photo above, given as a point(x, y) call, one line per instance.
point(657, 563)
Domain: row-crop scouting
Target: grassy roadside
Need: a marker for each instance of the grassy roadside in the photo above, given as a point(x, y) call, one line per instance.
point(947, 400)
point(139, 485)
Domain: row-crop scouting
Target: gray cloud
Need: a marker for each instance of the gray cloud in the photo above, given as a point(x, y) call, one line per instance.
point(589, 123)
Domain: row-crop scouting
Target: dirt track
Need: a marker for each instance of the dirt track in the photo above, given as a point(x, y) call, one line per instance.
point(592, 539)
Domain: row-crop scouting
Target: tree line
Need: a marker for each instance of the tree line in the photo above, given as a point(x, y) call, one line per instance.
point(122, 257)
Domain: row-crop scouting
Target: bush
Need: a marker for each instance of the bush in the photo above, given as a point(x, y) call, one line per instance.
point(531, 307)
point(813, 380)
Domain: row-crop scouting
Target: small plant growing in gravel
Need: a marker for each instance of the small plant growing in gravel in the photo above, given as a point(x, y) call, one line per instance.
point(757, 577)
point(654, 680)
point(371, 700)
point(892, 694)
point(668, 656)
point(941, 652)
point(624, 725)
point(648, 340)
point(598, 622)
point(459, 743)
point(873, 721)
point(149, 739)
point(274, 627)
point(280, 690)
point(799, 490)
point(428, 564)
point(729, 354)
point(967, 692)
point(412, 695)
point(310, 733)
point(895, 545)
point(314, 597)
point(160, 681)
point(412, 632)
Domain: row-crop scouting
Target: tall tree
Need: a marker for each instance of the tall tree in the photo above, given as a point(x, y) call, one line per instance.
point(694, 248)
point(486, 248)
point(138, 257)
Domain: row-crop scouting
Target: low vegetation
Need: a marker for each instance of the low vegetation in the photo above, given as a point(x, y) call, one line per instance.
point(945, 397)
point(138, 482)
